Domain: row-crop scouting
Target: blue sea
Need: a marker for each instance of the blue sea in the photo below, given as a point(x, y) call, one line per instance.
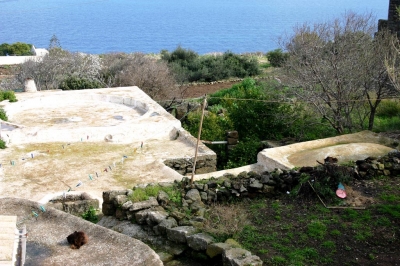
point(149, 26)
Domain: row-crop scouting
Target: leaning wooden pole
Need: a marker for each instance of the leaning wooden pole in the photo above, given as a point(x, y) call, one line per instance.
point(198, 140)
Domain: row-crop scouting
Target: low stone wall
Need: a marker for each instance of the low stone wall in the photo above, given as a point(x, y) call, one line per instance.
point(74, 203)
point(184, 166)
point(206, 159)
point(180, 234)
point(177, 227)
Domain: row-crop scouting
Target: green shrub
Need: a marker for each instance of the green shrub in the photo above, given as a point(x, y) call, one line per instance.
point(188, 66)
point(2, 144)
point(91, 215)
point(77, 83)
point(8, 95)
point(388, 108)
point(3, 115)
point(277, 58)
point(17, 48)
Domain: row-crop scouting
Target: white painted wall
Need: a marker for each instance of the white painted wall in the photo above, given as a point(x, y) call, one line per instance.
point(15, 60)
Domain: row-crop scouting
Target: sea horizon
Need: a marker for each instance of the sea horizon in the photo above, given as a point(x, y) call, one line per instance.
point(150, 26)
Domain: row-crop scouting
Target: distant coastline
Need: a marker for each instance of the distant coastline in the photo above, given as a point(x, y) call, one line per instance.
point(204, 26)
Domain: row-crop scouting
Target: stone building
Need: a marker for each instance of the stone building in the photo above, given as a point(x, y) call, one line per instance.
point(393, 21)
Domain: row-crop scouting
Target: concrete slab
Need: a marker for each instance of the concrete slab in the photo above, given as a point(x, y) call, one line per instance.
point(345, 148)
point(106, 139)
point(350, 147)
point(7, 239)
point(47, 244)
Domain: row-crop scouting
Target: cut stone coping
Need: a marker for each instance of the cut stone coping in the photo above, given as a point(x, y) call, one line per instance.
point(72, 195)
point(47, 243)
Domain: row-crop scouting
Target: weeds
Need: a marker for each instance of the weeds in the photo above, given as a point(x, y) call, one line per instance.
point(91, 215)
point(226, 220)
point(316, 229)
point(141, 194)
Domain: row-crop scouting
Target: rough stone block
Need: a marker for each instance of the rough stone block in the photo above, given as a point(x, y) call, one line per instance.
point(199, 241)
point(120, 214)
point(240, 257)
point(108, 196)
point(144, 204)
point(155, 217)
point(127, 205)
point(162, 198)
point(215, 249)
point(141, 216)
point(166, 224)
point(120, 199)
point(179, 234)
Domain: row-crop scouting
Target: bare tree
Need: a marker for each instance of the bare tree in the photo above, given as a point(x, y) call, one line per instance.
point(339, 67)
point(148, 73)
point(58, 65)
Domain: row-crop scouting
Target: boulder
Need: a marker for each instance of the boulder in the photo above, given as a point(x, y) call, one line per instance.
point(240, 257)
point(193, 195)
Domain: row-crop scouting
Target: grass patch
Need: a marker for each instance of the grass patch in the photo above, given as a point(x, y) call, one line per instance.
point(306, 233)
point(141, 194)
point(316, 229)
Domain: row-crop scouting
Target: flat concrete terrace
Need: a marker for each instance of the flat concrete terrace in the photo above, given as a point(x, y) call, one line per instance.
point(122, 115)
point(345, 148)
point(106, 139)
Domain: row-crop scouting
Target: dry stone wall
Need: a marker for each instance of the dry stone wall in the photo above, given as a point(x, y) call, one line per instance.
point(161, 218)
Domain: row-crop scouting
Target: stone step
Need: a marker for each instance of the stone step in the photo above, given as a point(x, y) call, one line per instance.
point(8, 226)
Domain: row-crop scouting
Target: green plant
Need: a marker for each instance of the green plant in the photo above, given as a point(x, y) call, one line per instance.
point(139, 194)
point(278, 260)
point(188, 66)
point(335, 232)
point(2, 144)
point(329, 244)
point(316, 229)
point(277, 58)
point(78, 83)
point(3, 115)
point(388, 108)
point(91, 215)
point(8, 95)
point(174, 194)
point(17, 48)
point(390, 197)
point(392, 210)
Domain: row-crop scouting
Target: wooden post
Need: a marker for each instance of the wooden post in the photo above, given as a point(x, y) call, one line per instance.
point(198, 140)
